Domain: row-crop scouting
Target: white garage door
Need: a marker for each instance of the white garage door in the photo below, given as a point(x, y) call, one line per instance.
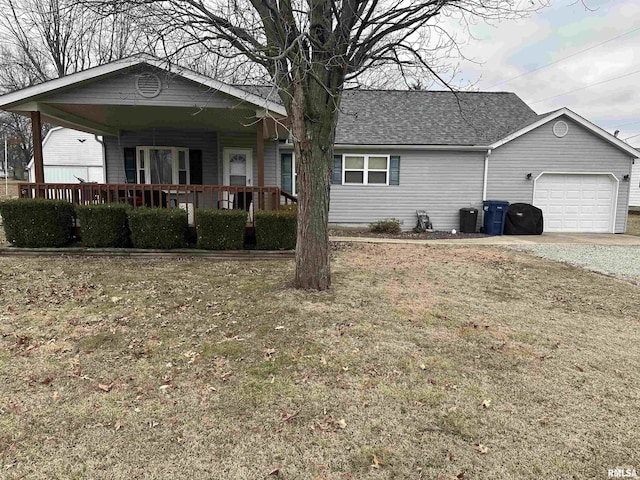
point(576, 203)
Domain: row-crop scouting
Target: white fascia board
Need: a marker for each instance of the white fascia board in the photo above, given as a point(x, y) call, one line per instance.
point(576, 118)
point(60, 83)
point(344, 146)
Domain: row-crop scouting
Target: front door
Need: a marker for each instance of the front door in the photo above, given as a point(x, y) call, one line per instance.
point(238, 167)
point(237, 172)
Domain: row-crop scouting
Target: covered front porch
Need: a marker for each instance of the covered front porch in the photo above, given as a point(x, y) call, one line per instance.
point(171, 139)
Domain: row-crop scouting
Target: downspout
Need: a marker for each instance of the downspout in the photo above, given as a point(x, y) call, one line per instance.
point(486, 175)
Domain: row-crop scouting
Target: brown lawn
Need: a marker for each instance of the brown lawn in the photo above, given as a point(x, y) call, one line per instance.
point(422, 363)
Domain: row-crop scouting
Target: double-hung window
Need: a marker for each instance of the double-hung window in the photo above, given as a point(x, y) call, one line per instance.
point(162, 165)
point(365, 169)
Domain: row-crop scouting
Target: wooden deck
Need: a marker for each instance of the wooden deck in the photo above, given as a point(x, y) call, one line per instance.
point(188, 197)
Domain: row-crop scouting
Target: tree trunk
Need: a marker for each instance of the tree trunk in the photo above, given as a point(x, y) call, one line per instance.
point(314, 158)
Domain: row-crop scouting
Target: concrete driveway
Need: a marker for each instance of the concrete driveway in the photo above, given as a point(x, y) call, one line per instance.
point(511, 240)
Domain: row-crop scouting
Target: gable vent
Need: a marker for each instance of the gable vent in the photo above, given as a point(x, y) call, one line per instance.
point(560, 129)
point(148, 85)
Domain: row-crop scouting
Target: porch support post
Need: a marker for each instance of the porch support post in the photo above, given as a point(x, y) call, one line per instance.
point(36, 131)
point(260, 151)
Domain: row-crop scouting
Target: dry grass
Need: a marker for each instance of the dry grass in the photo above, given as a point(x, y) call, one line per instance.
point(633, 224)
point(120, 368)
point(11, 192)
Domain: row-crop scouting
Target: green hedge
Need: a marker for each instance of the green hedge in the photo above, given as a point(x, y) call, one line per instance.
point(38, 223)
point(158, 228)
point(221, 229)
point(277, 229)
point(104, 226)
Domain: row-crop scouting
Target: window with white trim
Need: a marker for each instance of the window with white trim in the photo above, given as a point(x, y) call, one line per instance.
point(365, 169)
point(162, 165)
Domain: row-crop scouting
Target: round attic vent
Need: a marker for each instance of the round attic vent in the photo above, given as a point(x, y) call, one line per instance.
point(148, 85)
point(560, 129)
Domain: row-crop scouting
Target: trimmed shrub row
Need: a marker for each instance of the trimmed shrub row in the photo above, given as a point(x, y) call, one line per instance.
point(104, 226)
point(50, 223)
point(38, 223)
point(161, 228)
point(276, 229)
point(221, 229)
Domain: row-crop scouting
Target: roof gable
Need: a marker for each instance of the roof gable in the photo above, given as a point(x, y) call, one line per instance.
point(81, 80)
point(546, 118)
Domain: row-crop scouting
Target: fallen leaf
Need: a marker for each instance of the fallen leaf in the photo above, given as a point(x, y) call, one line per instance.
point(481, 448)
point(543, 420)
point(105, 388)
point(580, 369)
point(432, 428)
point(118, 425)
point(342, 423)
point(486, 403)
point(275, 472)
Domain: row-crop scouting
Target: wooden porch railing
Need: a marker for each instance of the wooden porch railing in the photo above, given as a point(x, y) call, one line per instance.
point(187, 197)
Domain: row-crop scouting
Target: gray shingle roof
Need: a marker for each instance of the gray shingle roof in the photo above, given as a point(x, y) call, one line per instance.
point(429, 117)
point(394, 117)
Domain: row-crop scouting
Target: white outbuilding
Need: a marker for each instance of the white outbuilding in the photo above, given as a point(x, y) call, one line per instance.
point(70, 155)
point(634, 192)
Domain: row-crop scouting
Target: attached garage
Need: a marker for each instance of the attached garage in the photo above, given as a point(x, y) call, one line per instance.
point(577, 202)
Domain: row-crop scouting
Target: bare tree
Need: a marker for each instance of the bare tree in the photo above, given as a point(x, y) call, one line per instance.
point(46, 39)
point(311, 50)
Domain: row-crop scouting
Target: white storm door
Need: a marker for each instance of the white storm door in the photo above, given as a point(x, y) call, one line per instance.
point(238, 167)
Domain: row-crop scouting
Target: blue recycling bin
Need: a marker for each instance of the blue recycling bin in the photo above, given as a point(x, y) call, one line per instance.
point(495, 214)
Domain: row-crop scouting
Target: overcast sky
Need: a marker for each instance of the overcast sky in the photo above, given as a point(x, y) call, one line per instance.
point(516, 47)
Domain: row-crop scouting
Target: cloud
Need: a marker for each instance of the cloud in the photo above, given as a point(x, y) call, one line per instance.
point(513, 48)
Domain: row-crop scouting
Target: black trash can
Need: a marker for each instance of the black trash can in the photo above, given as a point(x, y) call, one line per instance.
point(468, 220)
point(495, 214)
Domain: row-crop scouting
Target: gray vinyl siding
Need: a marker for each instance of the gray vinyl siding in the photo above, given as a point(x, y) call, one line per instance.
point(120, 89)
point(271, 167)
point(541, 151)
point(192, 139)
point(439, 182)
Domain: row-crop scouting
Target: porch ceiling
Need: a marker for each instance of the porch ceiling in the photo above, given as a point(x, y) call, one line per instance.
point(137, 117)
